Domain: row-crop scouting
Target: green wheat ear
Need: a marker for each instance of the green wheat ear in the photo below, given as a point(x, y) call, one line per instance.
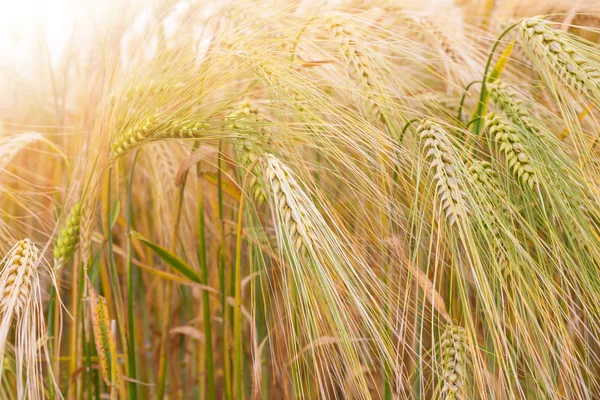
point(442, 161)
point(65, 243)
point(510, 143)
point(453, 350)
point(551, 47)
point(244, 119)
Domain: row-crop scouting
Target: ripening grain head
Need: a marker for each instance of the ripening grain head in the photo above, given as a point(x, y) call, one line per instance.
point(453, 353)
point(21, 307)
point(553, 50)
point(442, 160)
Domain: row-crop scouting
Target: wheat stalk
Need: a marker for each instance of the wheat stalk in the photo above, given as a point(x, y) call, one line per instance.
point(550, 47)
point(453, 346)
point(155, 128)
point(68, 236)
point(290, 204)
point(442, 160)
point(511, 145)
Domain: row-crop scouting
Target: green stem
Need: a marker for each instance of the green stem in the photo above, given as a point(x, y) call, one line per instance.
point(209, 361)
point(114, 281)
point(51, 327)
point(130, 289)
point(462, 99)
point(237, 317)
point(483, 97)
point(223, 278)
point(164, 340)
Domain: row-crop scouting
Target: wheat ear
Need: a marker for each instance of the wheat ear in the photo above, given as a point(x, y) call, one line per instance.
point(453, 350)
point(510, 143)
point(442, 161)
point(10, 146)
point(156, 128)
point(550, 47)
point(244, 120)
point(67, 239)
point(21, 302)
point(508, 101)
point(87, 221)
point(483, 175)
point(441, 40)
point(16, 278)
point(359, 62)
point(290, 204)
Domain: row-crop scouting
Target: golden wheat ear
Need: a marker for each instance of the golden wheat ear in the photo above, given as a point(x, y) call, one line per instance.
point(21, 310)
point(10, 146)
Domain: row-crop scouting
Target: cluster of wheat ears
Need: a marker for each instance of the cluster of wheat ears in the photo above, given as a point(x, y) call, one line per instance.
point(311, 200)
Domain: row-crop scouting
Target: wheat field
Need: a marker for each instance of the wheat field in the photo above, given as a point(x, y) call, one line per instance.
point(208, 199)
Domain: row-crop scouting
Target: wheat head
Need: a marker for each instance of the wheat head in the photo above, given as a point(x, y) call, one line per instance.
point(547, 46)
point(21, 303)
point(453, 349)
point(442, 161)
point(67, 239)
point(10, 146)
point(156, 128)
point(510, 143)
point(508, 101)
point(244, 120)
point(358, 60)
point(16, 278)
point(285, 192)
